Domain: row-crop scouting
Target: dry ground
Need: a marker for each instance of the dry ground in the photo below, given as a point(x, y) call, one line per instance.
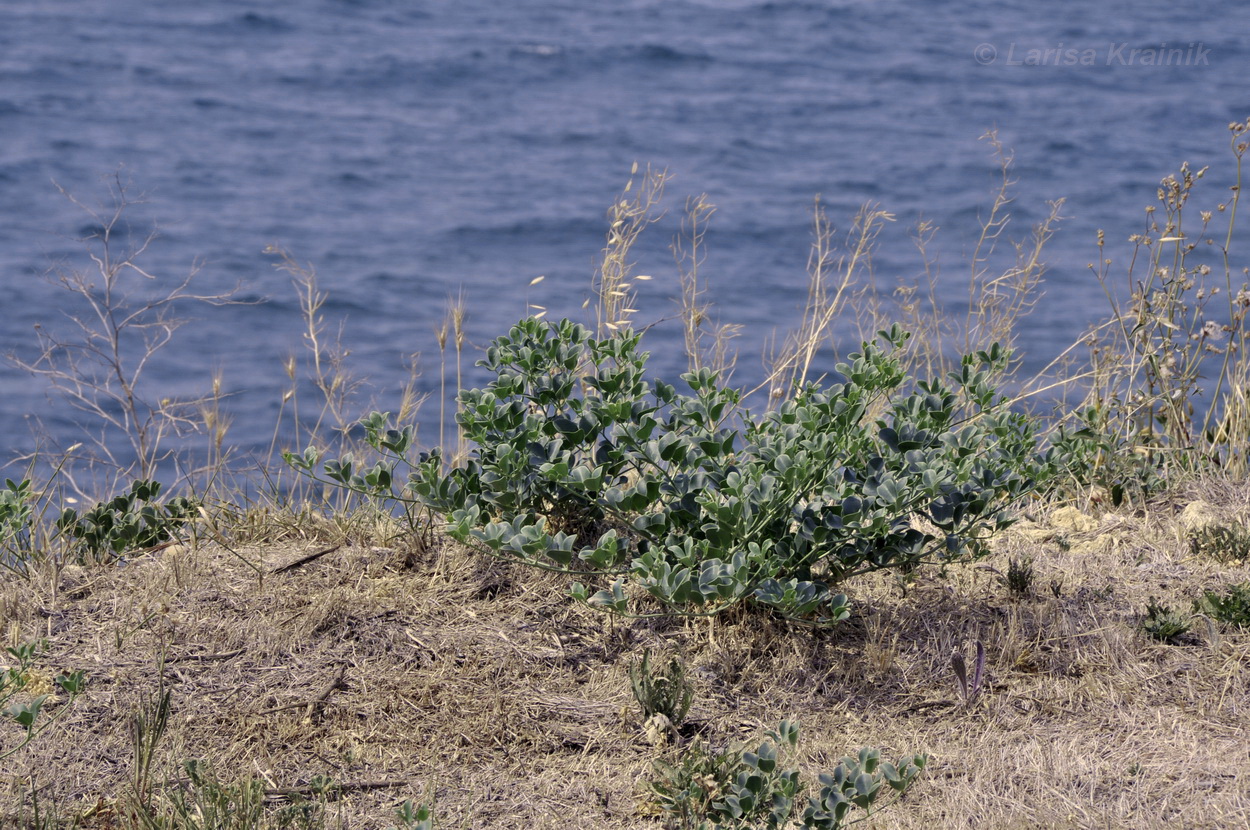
point(411, 670)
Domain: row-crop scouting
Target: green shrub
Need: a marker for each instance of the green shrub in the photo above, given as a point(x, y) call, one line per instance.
point(1019, 577)
point(203, 800)
point(735, 788)
point(582, 466)
point(1232, 607)
point(665, 692)
point(21, 679)
point(130, 521)
point(1164, 624)
point(414, 817)
point(1227, 543)
point(1092, 454)
point(16, 515)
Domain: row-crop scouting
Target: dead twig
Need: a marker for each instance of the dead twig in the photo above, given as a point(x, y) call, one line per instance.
point(286, 793)
point(224, 655)
point(304, 560)
point(313, 706)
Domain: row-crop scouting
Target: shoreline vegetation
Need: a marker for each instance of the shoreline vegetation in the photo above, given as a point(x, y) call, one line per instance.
point(895, 593)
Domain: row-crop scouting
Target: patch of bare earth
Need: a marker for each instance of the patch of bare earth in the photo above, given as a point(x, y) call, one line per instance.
point(406, 673)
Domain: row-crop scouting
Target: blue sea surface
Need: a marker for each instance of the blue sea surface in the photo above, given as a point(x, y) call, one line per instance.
point(414, 151)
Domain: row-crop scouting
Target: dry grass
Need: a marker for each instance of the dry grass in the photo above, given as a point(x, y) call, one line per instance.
point(433, 669)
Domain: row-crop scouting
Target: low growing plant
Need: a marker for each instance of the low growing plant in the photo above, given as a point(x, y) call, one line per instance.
point(1163, 623)
point(1226, 543)
point(969, 687)
point(203, 800)
point(664, 695)
point(736, 788)
point(16, 514)
point(200, 798)
point(130, 521)
point(1019, 578)
point(1232, 606)
point(582, 466)
point(25, 535)
point(1092, 454)
point(414, 817)
point(22, 680)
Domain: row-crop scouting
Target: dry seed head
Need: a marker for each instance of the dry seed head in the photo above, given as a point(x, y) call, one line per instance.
point(38, 682)
point(537, 280)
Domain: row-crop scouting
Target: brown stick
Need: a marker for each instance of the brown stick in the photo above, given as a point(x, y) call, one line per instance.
point(288, 792)
point(304, 560)
point(224, 655)
point(320, 700)
point(317, 702)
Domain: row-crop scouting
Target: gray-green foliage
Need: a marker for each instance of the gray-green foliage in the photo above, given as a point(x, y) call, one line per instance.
point(1019, 578)
point(665, 691)
point(414, 817)
point(130, 521)
point(1092, 453)
point(203, 800)
point(581, 465)
point(29, 715)
point(1232, 606)
point(1163, 623)
point(737, 789)
point(16, 525)
point(1222, 542)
